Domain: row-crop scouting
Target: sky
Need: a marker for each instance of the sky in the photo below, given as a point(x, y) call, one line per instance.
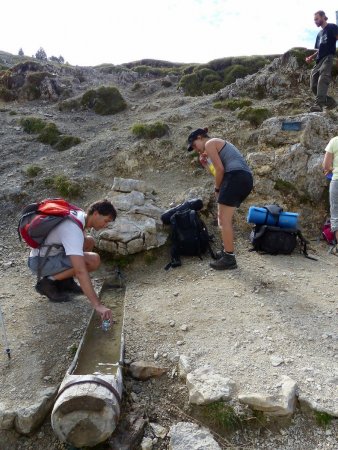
point(186, 31)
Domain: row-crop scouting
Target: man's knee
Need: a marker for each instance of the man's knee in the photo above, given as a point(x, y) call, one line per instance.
point(92, 261)
point(89, 244)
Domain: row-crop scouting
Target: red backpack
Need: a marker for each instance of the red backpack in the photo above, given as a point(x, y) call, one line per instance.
point(38, 219)
point(327, 234)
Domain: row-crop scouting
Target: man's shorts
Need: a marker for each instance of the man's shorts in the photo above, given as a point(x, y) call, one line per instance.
point(235, 188)
point(51, 265)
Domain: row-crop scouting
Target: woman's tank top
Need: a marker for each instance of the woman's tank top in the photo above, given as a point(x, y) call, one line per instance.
point(232, 158)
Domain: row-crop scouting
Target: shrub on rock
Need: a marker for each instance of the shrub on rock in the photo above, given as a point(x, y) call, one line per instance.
point(104, 100)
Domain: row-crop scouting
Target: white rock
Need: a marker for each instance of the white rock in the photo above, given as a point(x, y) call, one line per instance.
point(184, 366)
point(159, 431)
point(146, 444)
point(281, 404)
point(206, 386)
point(189, 436)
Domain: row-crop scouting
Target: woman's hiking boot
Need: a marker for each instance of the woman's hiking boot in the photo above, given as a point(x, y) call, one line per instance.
point(50, 289)
point(69, 285)
point(225, 261)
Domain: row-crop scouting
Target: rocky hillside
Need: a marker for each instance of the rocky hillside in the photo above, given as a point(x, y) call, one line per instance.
point(89, 114)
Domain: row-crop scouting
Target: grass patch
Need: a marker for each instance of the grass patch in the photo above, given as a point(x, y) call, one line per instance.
point(323, 419)
point(65, 142)
point(221, 416)
point(13, 113)
point(48, 133)
point(232, 103)
point(255, 116)
point(72, 350)
point(150, 131)
point(32, 125)
point(64, 186)
point(32, 171)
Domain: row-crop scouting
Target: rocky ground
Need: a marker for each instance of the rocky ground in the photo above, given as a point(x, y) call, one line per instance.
point(273, 316)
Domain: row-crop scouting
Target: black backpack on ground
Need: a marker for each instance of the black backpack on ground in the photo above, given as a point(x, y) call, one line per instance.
point(189, 234)
point(278, 241)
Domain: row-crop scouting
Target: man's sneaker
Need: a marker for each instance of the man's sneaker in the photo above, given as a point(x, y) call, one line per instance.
point(226, 262)
point(69, 285)
point(49, 288)
point(316, 108)
point(330, 103)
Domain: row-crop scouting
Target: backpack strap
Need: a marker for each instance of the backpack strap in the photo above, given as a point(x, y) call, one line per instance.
point(303, 246)
point(274, 210)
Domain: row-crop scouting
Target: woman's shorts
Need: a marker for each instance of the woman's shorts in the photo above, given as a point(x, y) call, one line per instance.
point(235, 188)
point(51, 265)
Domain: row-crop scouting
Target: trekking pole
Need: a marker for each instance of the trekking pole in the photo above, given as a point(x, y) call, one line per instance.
point(7, 349)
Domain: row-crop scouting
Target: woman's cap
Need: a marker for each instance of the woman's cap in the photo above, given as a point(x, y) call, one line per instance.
point(194, 135)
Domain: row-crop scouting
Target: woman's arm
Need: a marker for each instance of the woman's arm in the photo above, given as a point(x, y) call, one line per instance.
point(212, 152)
point(328, 162)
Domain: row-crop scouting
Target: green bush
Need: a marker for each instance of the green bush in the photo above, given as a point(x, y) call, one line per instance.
point(300, 53)
point(233, 72)
point(211, 77)
point(65, 142)
point(64, 187)
point(32, 125)
point(232, 103)
point(151, 131)
point(255, 116)
point(32, 171)
point(104, 100)
point(49, 134)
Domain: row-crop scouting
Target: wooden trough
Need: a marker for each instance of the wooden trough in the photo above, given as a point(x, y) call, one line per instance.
point(88, 403)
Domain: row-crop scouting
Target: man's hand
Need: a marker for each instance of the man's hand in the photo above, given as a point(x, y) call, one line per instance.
point(310, 58)
point(105, 313)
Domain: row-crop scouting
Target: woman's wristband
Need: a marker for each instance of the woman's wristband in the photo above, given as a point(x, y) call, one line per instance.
point(216, 189)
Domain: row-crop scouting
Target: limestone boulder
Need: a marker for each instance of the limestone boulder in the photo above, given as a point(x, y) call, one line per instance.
point(138, 225)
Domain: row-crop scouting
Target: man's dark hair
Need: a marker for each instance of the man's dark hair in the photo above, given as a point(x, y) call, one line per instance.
point(321, 14)
point(103, 207)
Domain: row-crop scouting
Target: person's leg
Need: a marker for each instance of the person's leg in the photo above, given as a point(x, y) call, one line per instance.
point(324, 80)
point(227, 258)
point(225, 218)
point(314, 79)
point(334, 207)
point(92, 261)
point(89, 244)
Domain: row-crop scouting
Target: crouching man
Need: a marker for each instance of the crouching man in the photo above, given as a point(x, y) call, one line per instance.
point(71, 256)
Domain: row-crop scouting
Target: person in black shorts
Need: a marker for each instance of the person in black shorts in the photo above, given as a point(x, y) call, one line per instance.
point(321, 74)
point(233, 183)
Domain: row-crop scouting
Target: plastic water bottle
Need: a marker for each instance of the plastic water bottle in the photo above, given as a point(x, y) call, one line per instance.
point(207, 164)
point(105, 325)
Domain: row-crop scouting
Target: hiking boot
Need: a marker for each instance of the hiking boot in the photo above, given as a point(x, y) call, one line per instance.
point(316, 108)
point(330, 103)
point(225, 262)
point(69, 285)
point(49, 288)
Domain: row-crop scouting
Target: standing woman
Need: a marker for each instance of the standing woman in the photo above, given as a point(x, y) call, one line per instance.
point(233, 183)
point(330, 165)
